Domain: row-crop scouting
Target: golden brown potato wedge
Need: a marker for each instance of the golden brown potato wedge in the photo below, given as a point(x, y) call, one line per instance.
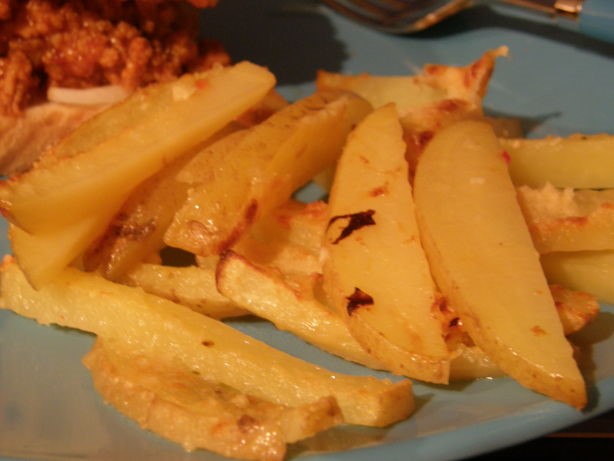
point(577, 161)
point(375, 272)
point(589, 271)
point(273, 160)
point(191, 286)
point(483, 260)
point(568, 220)
point(265, 294)
point(159, 328)
point(176, 403)
point(78, 185)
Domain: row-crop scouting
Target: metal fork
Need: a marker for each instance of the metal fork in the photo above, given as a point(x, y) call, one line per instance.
point(591, 17)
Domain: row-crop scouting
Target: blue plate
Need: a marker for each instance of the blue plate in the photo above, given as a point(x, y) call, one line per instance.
point(556, 81)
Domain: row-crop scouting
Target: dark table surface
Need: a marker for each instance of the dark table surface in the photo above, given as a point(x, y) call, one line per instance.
point(590, 440)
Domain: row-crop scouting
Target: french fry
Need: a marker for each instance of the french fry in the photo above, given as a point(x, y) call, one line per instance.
point(137, 230)
point(266, 295)
point(169, 399)
point(483, 260)
point(436, 84)
point(375, 272)
point(269, 164)
point(588, 271)
point(568, 220)
point(191, 286)
point(159, 328)
point(575, 309)
point(43, 256)
point(107, 173)
point(578, 161)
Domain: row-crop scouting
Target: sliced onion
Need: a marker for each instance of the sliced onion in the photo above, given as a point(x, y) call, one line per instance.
point(95, 96)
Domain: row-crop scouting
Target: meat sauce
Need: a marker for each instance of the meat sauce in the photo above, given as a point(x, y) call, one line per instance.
point(81, 44)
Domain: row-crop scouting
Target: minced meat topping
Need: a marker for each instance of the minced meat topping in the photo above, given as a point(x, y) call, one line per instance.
point(80, 44)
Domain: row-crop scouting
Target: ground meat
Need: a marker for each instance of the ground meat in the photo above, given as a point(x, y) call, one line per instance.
point(79, 44)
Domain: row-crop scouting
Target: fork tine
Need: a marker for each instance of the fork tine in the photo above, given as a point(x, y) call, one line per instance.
point(400, 16)
point(382, 14)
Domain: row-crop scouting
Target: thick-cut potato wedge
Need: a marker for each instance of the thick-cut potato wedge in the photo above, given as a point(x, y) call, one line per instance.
point(160, 328)
point(269, 164)
point(72, 188)
point(483, 260)
point(577, 161)
point(172, 401)
point(568, 220)
point(191, 286)
point(43, 256)
point(589, 271)
point(413, 93)
point(375, 271)
point(137, 230)
point(266, 295)
point(408, 92)
point(576, 309)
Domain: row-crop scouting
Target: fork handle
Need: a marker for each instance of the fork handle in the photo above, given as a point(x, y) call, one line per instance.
point(596, 19)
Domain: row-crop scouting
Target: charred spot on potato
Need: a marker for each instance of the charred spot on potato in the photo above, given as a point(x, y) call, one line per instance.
point(246, 423)
point(207, 343)
point(538, 331)
point(355, 221)
point(379, 191)
point(358, 299)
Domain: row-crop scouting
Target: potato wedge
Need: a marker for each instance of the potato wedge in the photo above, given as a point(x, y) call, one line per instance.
point(191, 286)
point(43, 256)
point(137, 230)
point(172, 401)
point(413, 93)
point(270, 163)
point(159, 328)
point(568, 220)
point(483, 260)
point(589, 271)
point(265, 294)
point(375, 271)
point(578, 161)
point(105, 174)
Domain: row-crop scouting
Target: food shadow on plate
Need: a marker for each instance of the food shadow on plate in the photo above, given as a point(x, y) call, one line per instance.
point(347, 437)
point(293, 49)
point(527, 124)
point(601, 329)
point(530, 23)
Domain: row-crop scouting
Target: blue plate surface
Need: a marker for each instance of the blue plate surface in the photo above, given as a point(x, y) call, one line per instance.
point(556, 82)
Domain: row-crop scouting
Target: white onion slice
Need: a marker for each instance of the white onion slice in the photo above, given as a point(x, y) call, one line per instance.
point(94, 96)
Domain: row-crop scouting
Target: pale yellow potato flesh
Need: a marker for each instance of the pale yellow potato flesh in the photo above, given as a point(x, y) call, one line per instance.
point(270, 163)
point(577, 161)
point(483, 260)
point(106, 173)
point(43, 256)
point(169, 399)
point(375, 272)
point(589, 271)
point(192, 286)
point(266, 295)
point(567, 219)
point(160, 328)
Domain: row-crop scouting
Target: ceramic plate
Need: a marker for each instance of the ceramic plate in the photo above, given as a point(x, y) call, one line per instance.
point(556, 82)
